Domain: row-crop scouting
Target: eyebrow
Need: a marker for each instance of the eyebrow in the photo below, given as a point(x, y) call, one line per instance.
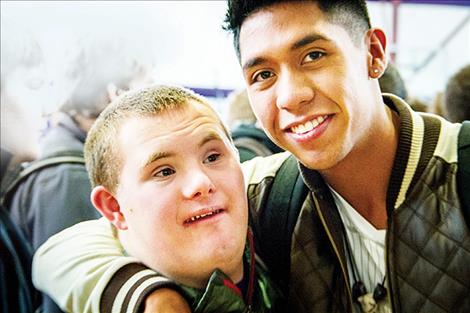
point(209, 137)
point(306, 41)
point(157, 156)
point(252, 63)
point(296, 45)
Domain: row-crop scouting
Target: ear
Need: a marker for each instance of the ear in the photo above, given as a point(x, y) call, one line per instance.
point(377, 56)
point(108, 206)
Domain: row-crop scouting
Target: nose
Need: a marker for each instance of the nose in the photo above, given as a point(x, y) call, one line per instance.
point(198, 185)
point(294, 90)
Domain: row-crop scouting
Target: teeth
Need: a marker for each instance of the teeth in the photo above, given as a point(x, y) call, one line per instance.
point(308, 126)
point(197, 217)
point(301, 128)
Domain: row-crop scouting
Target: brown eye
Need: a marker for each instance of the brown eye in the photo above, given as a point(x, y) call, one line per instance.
point(313, 56)
point(165, 172)
point(263, 76)
point(212, 158)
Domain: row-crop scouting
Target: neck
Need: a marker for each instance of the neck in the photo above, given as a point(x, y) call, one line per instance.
point(362, 177)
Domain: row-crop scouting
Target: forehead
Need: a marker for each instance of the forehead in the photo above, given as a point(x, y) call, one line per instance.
point(289, 26)
point(286, 17)
point(172, 123)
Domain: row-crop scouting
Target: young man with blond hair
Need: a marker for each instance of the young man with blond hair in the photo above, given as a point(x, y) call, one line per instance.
point(177, 201)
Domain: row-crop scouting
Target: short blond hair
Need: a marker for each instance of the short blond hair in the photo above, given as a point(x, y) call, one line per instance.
point(102, 154)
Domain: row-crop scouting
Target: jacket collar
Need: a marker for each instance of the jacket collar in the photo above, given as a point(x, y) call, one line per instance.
point(221, 291)
point(414, 150)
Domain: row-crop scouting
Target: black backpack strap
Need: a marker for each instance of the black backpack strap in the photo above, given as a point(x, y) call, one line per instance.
point(16, 249)
point(17, 293)
point(463, 172)
point(279, 216)
point(21, 172)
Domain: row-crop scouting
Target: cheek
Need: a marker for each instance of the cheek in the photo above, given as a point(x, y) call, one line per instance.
point(260, 101)
point(264, 110)
point(146, 209)
point(238, 194)
point(335, 87)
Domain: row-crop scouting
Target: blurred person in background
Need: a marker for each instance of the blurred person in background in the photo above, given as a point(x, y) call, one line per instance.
point(21, 58)
point(58, 196)
point(392, 82)
point(21, 64)
point(457, 96)
point(437, 104)
point(418, 105)
point(248, 137)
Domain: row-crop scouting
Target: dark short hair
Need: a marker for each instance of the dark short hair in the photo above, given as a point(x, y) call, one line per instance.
point(457, 96)
point(351, 14)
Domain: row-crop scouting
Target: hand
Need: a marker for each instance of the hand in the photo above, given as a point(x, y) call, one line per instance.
point(166, 301)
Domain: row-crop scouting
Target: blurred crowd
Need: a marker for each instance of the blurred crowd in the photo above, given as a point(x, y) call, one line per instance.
point(45, 115)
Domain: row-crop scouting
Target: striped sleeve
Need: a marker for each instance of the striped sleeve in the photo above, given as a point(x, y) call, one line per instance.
point(84, 269)
point(129, 287)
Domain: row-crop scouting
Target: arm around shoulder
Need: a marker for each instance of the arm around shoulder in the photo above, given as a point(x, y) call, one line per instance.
point(166, 301)
point(84, 269)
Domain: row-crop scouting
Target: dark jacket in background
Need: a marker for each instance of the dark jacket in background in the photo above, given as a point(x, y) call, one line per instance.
point(252, 141)
point(5, 158)
point(55, 197)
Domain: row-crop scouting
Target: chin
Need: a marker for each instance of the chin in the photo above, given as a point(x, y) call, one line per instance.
point(318, 160)
point(196, 273)
point(226, 257)
point(226, 254)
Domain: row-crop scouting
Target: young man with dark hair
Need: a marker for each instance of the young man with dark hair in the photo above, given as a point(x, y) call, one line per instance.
point(382, 227)
point(457, 96)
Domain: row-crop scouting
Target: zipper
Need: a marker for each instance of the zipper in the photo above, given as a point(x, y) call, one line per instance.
point(387, 264)
point(251, 282)
point(335, 248)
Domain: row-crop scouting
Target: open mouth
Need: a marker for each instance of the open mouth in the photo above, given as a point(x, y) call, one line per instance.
point(308, 126)
point(203, 216)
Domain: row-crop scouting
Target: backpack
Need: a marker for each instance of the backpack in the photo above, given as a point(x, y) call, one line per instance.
point(251, 146)
point(17, 293)
point(463, 173)
point(16, 175)
point(252, 141)
point(288, 191)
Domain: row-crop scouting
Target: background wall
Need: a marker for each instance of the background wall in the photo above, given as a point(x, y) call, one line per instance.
point(190, 48)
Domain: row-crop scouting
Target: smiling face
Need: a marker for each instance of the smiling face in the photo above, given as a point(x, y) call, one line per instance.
point(181, 194)
point(308, 82)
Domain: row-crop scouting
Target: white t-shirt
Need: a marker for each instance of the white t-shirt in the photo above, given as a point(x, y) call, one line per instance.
point(367, 245)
